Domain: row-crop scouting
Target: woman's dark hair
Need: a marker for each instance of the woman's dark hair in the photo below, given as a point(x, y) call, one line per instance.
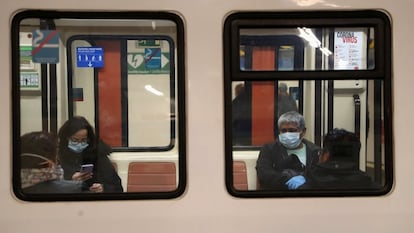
point(342, 145)
point(39, 143)
point(73, 125)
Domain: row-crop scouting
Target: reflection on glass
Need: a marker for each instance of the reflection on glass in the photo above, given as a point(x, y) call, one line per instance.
point(286, 55)
point(323, 48)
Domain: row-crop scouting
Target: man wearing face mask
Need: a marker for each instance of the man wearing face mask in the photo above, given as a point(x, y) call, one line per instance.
point(78, 145)
point(284, 164)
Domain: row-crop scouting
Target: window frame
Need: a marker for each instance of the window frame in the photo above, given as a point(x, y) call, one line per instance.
point(179, 71)
point(313, 19)
point(124, 81)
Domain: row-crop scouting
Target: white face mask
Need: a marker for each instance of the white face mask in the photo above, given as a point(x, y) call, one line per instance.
point(77, 147)
point(290, 140)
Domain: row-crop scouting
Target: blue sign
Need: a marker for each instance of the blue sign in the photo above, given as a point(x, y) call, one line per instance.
point(152, 58)
point(45, 46)
point(90, 57)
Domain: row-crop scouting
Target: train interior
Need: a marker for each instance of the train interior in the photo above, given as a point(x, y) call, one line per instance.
point(122, 75)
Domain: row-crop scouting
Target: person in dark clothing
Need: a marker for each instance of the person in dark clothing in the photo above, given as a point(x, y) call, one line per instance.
point(78, 145)
point(339, 164)
point(285, 102)
point(38, 166)
point(241, 113)
point(284, 164)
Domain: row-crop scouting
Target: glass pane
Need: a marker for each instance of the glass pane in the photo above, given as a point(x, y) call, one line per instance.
point(308, 103)
point(271, 99)
point(283, 49)
point(155, 87)
point(146, 93)
point(101, 93)
point(346, 134)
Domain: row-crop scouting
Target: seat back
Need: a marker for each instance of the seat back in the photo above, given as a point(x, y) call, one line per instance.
point(240, 175)
point(151, 177)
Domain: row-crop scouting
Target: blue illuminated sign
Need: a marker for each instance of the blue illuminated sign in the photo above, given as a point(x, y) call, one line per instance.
point(90, 57)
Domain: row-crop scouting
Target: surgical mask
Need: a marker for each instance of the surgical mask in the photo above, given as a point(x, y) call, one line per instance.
point(77, 147)
point(290, 140)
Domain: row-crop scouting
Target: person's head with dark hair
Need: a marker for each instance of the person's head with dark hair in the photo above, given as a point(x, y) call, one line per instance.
point(78, 146)
point(239, 89)
point(338, 167)
point(341, 145)
point(37, 158)
point(38, 149)
point(39, 172)
point(77, 134)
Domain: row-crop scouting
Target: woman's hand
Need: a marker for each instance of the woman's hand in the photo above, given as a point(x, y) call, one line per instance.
point(96, 188)
point(82, 176)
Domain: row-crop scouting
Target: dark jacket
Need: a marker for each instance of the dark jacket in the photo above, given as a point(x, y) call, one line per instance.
point(285, 104)
point(339, 175)
point(55, 186)
point(274, 166)
point(103, 171)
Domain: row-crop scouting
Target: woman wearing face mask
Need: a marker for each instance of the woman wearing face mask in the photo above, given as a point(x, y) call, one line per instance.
point(78, 145)
point(38, 166)
point(284, 164)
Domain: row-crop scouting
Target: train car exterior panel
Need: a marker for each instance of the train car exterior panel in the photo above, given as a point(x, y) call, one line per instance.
point(206, 205)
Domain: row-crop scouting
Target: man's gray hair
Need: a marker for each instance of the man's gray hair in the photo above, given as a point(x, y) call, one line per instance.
point(292, 117)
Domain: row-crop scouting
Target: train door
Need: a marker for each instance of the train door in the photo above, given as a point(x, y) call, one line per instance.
point(108, 95)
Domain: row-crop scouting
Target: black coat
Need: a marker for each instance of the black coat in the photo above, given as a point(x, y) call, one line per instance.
point(339, 175)
point(274, 166)
point(103, 171)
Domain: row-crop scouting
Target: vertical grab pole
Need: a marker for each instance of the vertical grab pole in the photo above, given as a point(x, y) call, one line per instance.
point(357, 103)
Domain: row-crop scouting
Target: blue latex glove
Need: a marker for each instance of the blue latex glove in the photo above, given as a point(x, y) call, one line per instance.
point(295, 182)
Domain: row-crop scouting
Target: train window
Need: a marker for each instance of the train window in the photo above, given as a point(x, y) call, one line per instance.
point(308, 103)
point(98, 105)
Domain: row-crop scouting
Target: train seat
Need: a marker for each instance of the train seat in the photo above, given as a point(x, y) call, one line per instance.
point(240, 175)
point(151, 177)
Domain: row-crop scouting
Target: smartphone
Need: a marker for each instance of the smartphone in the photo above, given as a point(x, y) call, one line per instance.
point(86, 168)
